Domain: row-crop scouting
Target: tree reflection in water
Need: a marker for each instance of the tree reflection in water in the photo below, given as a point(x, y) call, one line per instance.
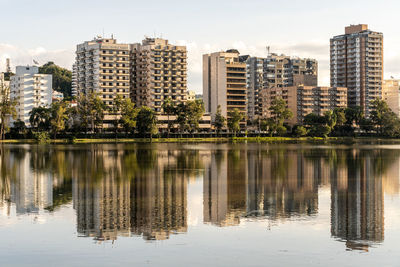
point(142, 189)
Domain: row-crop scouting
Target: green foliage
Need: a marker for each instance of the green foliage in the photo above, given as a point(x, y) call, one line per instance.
point(42, 137)
point(169, 108)
point(195, 110)
point(58, 117)
point(90, 110)
point(234, 119)
point(62, 78)
point(279, 113)
point(146, 121)
point(384, 119)
point(219, 120)
point(39, 118)
point(7, 109)
point(300, 131)
point(128, 115)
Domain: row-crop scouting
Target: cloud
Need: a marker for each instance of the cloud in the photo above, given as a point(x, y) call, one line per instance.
point(20, 56)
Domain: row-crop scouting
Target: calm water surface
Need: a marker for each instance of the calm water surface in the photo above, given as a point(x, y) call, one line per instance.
point(196, 205)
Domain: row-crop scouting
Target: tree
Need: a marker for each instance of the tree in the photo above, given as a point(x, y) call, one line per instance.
point(181, 117)
point(129, 115)
point(7, 109)
point(300, 131)
point(353, 115)
point(219, 120)
point(279, 113)
point(90, 110)
point(195, 111)
point(319, 125)
point(62, 78)
point(39, 118)
point(115, 110)
point(384, 119)
point(146, 121)
point(58, 117)
point(169, 108)
point(234, 119)
point(19, 128)
point(330, 119)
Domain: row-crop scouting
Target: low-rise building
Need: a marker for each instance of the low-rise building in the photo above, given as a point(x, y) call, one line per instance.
point(31, 90)
point(303, 100)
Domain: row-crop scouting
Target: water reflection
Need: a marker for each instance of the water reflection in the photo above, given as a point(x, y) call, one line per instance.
point(142, 190)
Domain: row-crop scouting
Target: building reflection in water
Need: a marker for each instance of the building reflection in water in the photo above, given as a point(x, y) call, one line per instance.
point(141, 190)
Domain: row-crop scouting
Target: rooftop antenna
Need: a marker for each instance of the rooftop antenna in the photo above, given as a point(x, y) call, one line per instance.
point(268, 50)
point(103, 33)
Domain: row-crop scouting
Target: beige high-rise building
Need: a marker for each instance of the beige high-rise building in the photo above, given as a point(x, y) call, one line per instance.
point(357, 63)
point(391, 94)
point(159, 72)
point(103, 66)
point(284, 71)
point(303, 100)
point(224, 82)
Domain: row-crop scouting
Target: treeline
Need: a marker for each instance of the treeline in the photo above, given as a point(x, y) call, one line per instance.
point(382, 121)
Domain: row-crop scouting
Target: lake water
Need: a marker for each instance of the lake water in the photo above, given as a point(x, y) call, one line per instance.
point(199, 204)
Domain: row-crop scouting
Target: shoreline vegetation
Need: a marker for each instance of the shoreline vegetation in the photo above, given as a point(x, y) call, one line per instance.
point(311, 140)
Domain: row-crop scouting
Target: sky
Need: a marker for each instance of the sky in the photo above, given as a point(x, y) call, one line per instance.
point(47, 30)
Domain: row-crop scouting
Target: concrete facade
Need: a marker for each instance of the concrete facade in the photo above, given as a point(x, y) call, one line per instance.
point(303, 100)
point(224, 82)
point(356, 62)
point(31, 90)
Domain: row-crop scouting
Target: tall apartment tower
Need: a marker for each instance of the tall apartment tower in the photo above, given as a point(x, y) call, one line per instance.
point(31, 89)
point(357, 63)
point(224, 82)
point(254, 84)
point(159, 72)
point(103, 66)
point(284, 71)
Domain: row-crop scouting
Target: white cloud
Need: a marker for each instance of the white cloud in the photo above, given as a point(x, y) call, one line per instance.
point(20, 56)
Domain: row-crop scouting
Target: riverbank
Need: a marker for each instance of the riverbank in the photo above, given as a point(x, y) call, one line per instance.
point(331, 140)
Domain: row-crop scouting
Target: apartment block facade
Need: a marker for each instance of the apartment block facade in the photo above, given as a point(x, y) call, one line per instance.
point(285, 71)
point(356, 62)
point(303, 100)
point(103, 66)
point(391, 94)
point(224, 83)
point(254, 84)
point(31, 90)
point(159, 71)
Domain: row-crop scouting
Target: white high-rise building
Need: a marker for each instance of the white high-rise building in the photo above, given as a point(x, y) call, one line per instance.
point(31, 90)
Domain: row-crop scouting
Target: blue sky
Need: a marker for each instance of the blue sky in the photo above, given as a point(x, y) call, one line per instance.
point(49, 30)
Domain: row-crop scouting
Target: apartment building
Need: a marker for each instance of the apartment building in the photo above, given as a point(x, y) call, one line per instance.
point(224, 83)
point(356, 62)
point(254, 84)
point(103, 66)
point(74, 81)
point(285, 71)
point(303, 100)
point(391, 94)
point(31, 89)
point(159, 71)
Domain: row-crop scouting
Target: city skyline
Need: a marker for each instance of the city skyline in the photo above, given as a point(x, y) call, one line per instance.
point(310, 37)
